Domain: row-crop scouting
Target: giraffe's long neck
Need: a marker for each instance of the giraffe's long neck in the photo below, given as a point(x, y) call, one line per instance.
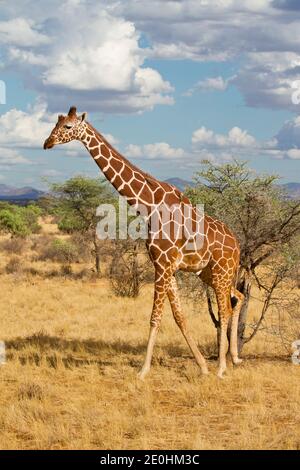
point(127, 179)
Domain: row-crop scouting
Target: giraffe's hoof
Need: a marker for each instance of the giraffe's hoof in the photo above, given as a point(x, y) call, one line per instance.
point(205, 372)
point(237, 361)
point(220, 374)
point(142, 374)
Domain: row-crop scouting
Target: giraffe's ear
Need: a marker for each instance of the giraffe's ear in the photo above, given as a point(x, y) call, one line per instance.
point(72, 111)
point(83, 117)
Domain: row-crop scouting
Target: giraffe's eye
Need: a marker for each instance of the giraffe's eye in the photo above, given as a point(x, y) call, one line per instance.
point(68, 126)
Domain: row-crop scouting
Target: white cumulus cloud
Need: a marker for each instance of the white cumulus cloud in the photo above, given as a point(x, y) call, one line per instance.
point(236, 137)
point(210, 84)
point(21, 31)
point(85, 55)
point(288, 136)
point(239, 143)
point(154, 151)
point(26, 128)
point(10, 157)
point(263, 35)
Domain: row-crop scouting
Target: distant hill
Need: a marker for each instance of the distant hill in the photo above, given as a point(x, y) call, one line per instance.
point(293, 190)
point(180, 183)
point(27, 193)
point(11, 193)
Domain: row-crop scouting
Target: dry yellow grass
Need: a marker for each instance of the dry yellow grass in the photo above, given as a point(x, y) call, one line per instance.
point(73, 352)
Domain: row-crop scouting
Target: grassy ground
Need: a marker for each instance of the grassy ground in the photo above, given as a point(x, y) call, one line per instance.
point(73, 352)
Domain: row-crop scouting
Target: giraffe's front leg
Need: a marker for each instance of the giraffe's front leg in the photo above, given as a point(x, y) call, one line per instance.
point(225, 312)
point(182, 324)
point(234, 327)
point(160, 290)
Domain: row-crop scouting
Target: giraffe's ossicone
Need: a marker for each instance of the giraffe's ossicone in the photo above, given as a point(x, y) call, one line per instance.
point(182, 241)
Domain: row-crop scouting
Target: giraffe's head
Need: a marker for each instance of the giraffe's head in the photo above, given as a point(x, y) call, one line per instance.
point(67, 128)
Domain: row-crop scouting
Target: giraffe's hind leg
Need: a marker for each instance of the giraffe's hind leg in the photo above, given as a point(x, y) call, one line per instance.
point(182, 324)
point(226, 312)
point(225, 294)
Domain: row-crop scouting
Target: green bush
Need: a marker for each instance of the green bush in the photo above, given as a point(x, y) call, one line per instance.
point(19, 221)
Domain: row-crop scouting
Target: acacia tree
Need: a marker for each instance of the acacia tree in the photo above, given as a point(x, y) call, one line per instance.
point(130, 267)
point(74, 202)
point(266, 222)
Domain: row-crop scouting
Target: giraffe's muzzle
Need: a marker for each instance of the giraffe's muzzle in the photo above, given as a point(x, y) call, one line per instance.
point(48, 144)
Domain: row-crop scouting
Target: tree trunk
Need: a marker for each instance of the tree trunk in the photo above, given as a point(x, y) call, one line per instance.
point(245, 288)
point(97, 255)
point(135, 272)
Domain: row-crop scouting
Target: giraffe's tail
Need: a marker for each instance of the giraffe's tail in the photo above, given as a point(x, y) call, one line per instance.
point(233, 299)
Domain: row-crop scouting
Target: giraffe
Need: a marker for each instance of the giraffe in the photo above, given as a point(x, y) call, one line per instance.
point(215, 260)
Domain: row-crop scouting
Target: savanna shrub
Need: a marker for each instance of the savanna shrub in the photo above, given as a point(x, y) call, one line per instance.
point(14, 246)
point(62, 251)
point(14, 265)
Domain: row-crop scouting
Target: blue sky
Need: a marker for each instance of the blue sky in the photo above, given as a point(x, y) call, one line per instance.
point(168, 82)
